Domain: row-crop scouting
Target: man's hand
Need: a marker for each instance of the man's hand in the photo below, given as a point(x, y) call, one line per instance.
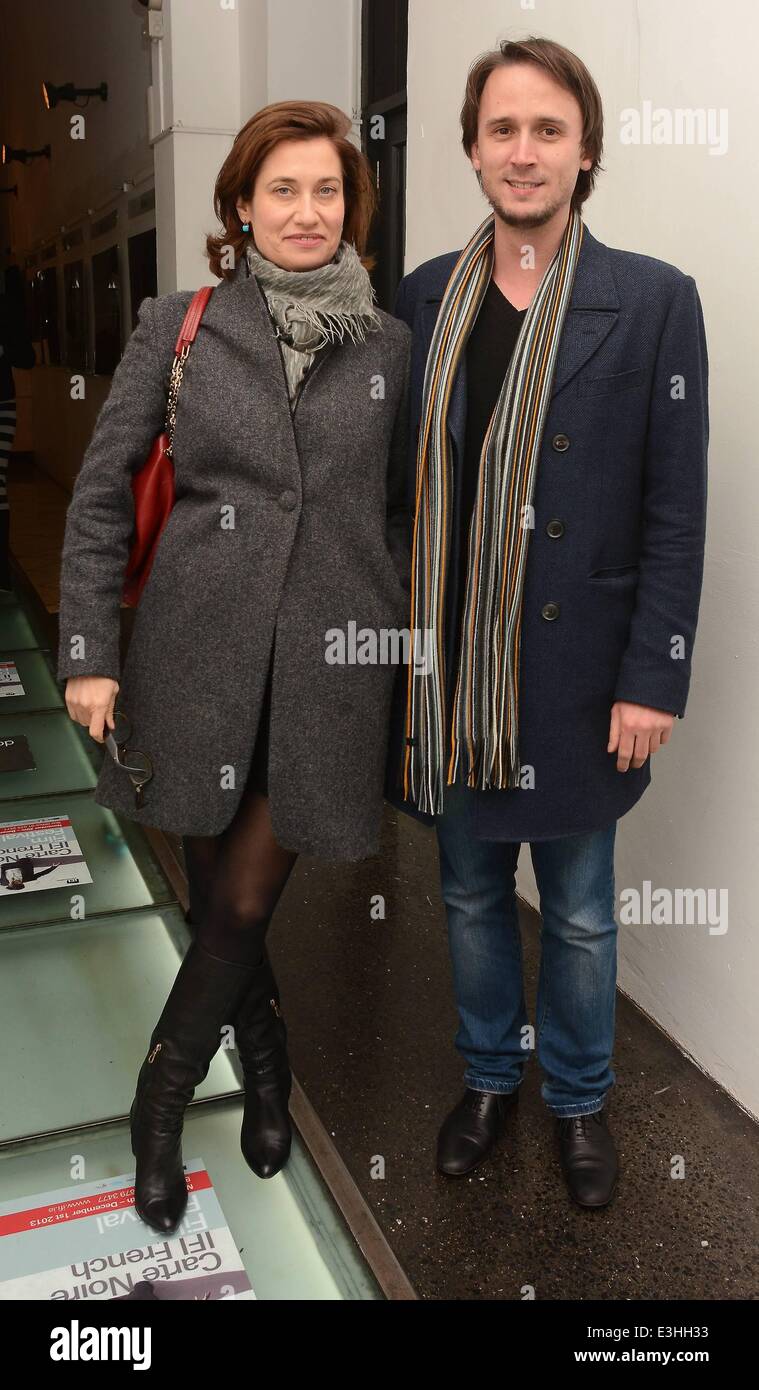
point(637, 731)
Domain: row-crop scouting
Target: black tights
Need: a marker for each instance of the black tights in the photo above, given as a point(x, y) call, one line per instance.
point(236, 880)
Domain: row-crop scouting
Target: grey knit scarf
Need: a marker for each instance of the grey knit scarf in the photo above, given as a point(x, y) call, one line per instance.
point(315, 307)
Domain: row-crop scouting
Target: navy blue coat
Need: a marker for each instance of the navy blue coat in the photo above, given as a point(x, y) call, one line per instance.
point(623, 465)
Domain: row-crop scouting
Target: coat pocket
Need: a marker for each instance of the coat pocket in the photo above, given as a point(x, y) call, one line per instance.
point(616, 572)
point(608, 385)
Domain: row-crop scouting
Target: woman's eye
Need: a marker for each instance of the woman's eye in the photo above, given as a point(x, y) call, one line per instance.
point(325, 189)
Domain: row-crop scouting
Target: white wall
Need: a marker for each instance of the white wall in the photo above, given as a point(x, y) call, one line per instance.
point(697, 824)
point(314, 52)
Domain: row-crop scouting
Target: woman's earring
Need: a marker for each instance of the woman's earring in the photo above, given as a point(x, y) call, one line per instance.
point(246, 226)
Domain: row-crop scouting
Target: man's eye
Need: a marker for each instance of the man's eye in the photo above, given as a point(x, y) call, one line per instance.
point(501, 128)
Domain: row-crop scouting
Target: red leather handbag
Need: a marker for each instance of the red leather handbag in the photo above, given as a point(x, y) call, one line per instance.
point(153, 484)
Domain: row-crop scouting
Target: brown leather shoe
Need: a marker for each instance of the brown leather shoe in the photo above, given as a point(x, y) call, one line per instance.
point(472, 1129)
point(588, 1158)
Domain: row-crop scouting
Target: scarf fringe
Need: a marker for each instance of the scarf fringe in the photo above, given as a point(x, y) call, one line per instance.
point(333, 325)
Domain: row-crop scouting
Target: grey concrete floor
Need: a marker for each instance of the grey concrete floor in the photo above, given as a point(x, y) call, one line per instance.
point(371, 1021)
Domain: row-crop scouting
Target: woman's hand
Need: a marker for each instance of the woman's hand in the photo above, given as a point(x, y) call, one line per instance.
point(90, 701)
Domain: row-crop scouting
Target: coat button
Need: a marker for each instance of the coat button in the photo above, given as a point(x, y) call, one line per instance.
point(287, 500)
point(550, 611)
point(555, 527)
point(560, 443)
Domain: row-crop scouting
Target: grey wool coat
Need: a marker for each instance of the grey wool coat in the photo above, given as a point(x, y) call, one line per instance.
point(288, 525)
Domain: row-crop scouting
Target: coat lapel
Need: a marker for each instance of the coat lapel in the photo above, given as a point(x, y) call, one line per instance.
point(248, 322)
point(592, 313)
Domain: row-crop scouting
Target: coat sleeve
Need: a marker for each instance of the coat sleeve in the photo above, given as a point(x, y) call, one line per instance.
point(399, 514)
point(100, 516)
point(656, 665)
point(403, 309)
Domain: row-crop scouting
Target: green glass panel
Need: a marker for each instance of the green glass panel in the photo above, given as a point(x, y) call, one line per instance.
point(290, 1234)
point(65, 754)
point(16, 631)
point(78, 1002)
point(125, 872)
point(41, 690)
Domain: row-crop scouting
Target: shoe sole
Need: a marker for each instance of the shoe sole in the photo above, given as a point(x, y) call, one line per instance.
point(464, 1172)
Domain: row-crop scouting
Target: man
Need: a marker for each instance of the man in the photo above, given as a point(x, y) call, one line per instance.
point(559, 441)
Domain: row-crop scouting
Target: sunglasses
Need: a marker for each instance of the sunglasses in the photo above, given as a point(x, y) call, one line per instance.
point(138, 765)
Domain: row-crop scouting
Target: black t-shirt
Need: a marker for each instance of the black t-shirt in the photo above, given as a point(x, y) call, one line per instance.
point(488, 354)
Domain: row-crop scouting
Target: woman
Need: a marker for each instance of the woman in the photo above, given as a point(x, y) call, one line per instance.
point(290, 522)
point(16, 350)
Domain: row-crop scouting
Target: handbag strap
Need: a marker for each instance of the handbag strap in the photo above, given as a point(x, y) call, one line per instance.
point(191, 321)
point(187, 334)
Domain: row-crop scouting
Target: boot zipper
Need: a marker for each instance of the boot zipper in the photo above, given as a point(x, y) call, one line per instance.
point(276, 1007)
point(157, 1048)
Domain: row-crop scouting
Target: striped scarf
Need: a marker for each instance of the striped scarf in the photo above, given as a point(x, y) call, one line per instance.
point(484, 727)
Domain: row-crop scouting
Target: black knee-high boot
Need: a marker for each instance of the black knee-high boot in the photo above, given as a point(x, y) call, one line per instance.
point(205, 995)
point(261, 1039)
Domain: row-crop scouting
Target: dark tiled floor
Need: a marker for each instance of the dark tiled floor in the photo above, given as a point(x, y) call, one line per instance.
point(371, 1020)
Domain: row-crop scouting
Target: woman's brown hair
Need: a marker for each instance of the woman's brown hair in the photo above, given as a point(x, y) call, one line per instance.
point(289, 120)
point(566, 69)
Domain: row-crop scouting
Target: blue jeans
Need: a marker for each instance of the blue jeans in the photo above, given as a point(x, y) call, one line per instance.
point(578, 966)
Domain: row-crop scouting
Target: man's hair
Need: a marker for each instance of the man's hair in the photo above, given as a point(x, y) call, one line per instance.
point(566, 69)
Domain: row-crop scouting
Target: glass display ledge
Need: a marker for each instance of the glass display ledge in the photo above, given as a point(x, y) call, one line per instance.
point(78, 1003)
point(290, 1234)
point(125, 870)
point(64, 753)
point(41, 690)
point(16, 631)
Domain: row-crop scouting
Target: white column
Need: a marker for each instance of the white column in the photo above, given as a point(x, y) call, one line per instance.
point(198, 52)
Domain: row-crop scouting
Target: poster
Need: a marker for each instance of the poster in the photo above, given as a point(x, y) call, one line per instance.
point(42, 853)
point(86, 1242)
